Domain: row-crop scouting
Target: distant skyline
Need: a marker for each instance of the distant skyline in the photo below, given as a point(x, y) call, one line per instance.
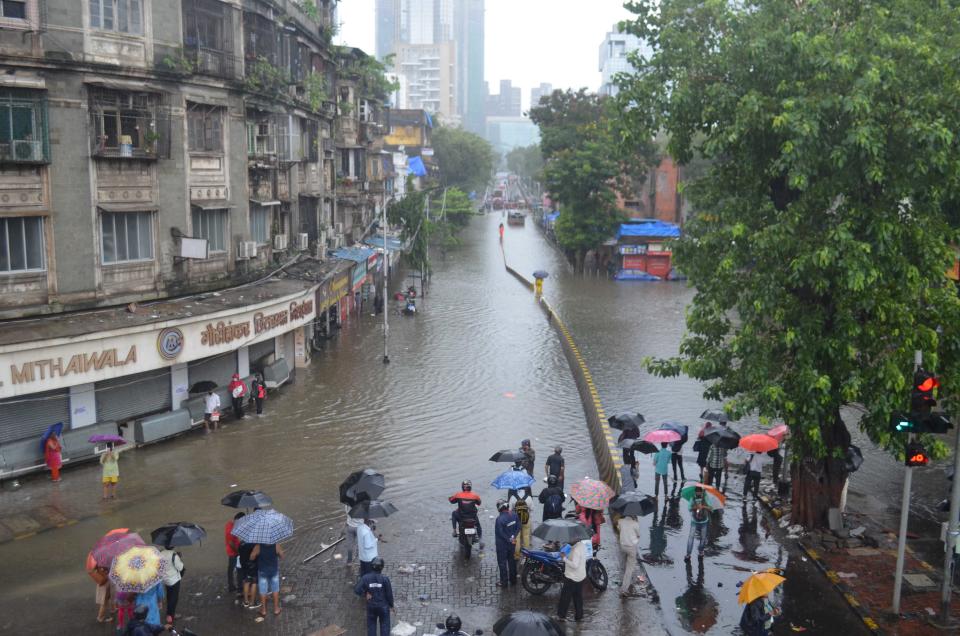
point(527, 41)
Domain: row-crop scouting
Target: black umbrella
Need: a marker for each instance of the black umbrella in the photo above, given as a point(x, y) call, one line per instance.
point(372, 509)
point(509, 456)
point(853, 459)
point(723, 437)
point(178, 533)
point(203, 386)
point(247, 499)
point(528, 623)
point(361, 485)
point(562, 530)
point(714, 416)
point(633, 504)
point(639, 445)
point(625, 421)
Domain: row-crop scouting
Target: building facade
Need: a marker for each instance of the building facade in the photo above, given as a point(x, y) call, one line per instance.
point(153, 152)
point(544, 90)
point(507, 103)
point(614, 52)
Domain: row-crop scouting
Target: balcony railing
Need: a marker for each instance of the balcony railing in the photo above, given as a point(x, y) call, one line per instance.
point(213, 62)
point(23, 128)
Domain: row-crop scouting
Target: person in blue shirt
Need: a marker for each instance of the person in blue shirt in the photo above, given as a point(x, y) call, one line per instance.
point(661, 463)
point(366, 545)
point(506, 528)
point(375, 588)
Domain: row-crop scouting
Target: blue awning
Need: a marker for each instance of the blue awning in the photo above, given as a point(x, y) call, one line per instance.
point(649, 228)
point(553, 216)
point(416, 166)
point(355, 254)
point(393, 243)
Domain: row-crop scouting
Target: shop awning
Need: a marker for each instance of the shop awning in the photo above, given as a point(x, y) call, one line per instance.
point(355, 254)
point(649, 228)
point(212, 204)
point(145, 206)
point(265, 204)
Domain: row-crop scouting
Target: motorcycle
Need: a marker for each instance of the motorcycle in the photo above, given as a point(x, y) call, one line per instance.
point(468, 535)
point(540, 570)
point(410, 308)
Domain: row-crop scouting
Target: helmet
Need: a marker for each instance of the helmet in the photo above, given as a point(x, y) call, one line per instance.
point(552, 480)
point(467, 485)
point(377, 564)
point(140, 612)
point(453, 623)
point(502, 505)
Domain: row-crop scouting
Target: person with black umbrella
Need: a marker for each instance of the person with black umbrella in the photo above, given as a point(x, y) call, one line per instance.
point(574, 572)
point(172, 577)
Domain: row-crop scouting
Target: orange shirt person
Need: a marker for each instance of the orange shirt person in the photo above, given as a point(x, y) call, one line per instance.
point(501, 232)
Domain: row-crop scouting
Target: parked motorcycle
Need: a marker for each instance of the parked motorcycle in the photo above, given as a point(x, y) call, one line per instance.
point(540, 570)
point(468, 535)
point(410, 308)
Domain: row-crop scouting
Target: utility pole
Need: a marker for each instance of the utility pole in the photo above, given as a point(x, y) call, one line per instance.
point(904, 512)
point(951, 539)
point(386, 281)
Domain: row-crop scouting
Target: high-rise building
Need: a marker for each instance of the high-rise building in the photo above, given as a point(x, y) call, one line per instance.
point(507, 103)
point(425, 28)
point(614, 50)
point(539, 91)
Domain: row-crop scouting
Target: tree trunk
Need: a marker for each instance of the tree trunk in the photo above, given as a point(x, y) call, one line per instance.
point(818, 483)
point(579, 255)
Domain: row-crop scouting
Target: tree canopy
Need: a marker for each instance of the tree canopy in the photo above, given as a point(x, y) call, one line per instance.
point(464, 158)
point(582, 167)
point(823, 230)
point(526, 162)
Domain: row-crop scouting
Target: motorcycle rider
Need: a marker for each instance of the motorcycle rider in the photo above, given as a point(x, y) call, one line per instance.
point(468, 503)
point(453, 626)
point(506, 529)
point(552, 498)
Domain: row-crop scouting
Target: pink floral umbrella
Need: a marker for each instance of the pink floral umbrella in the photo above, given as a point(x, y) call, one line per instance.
point(778, 432)
point(662, 435)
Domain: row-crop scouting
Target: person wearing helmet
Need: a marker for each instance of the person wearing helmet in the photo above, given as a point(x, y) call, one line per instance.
point(552, 498)
point(375, 588)
point(452, 625)
point(467, 503)
point(556, 466)
point(139, 626)
point(506, 528)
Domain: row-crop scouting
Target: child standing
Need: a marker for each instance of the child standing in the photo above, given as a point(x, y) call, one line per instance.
point(111, 472)
point(661, 463)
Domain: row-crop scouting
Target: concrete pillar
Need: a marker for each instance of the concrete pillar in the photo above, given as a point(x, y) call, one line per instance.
point(301, 348)
point(83, 405)
point(179, 385)
point(243, 361)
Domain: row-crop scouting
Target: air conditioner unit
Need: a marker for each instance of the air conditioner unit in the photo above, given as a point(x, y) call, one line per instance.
point(247, 249)
point(339, 228)
point(280, 242)
point(303, 241)
point(322, 245)
point(27, 150)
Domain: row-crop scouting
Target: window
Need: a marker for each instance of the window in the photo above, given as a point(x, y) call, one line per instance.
point(127, 236)
point(23, 126)
point(204, 128)
point(211, 225)
point(345, 162)
point(128, 124)
point(124, 16)
point(13, 9)
point(260, 223)
point(203, 36)
point(21, 244)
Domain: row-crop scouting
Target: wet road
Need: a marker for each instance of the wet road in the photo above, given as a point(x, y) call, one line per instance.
point(476, 371)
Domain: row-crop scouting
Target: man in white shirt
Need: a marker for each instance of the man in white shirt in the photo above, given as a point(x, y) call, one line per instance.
point(574, 571)
point(211, 411)
point(629, 540)
point(366, 545)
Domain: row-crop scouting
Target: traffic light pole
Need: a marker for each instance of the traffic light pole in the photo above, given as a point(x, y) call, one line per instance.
point(951, 541)
point(904, 512)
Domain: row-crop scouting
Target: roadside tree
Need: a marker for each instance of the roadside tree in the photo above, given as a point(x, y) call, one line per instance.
point(464, 158)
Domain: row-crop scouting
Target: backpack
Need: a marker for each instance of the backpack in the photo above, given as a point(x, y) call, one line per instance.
point(554, 506)
point(523, 512)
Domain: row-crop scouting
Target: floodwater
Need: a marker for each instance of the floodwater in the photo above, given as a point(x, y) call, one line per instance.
point(477, 370)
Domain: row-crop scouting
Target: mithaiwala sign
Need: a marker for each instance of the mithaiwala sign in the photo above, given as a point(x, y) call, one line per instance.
point(100, 356)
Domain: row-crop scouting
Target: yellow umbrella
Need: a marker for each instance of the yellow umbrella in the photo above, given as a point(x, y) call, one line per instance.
point(138, 569)
point(759, 584)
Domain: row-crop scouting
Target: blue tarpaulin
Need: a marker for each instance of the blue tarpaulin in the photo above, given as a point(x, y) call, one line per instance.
point(550, 218)
point(429, 119)
point(393, 243)
point(649, 227)
point(416, 166)
point(355, 254)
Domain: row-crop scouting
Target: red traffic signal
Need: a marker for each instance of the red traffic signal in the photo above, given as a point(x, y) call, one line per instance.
point(916, 455)
point(921, 396)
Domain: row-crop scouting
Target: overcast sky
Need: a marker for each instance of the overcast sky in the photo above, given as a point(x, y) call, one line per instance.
point(527, 41)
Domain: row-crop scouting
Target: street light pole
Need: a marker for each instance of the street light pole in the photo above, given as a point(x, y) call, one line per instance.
point(904, 512)
point(951, 539)
point(386, 280)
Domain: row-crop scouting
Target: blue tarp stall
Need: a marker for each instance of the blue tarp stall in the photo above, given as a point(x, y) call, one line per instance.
point(355, 254)
point(649, 228)
point(415, 165)
point(551, 218)
point(393, 243)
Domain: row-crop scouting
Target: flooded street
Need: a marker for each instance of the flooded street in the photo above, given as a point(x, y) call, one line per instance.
point(477, 370)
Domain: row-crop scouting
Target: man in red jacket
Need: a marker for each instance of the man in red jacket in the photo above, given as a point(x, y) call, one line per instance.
point(233, 551)
point(467, 503)
point(237, 390)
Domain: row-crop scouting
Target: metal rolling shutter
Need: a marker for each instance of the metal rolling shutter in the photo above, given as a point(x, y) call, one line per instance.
point(261, 349)
point(130, 396)
point(218, 369)
point(30, 415)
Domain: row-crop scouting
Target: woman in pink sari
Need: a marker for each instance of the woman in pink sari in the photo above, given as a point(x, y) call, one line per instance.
point(51, 454)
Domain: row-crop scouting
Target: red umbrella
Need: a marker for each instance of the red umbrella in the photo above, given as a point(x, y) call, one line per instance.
point(758, 443)
point(111, 545)
point(778, 432)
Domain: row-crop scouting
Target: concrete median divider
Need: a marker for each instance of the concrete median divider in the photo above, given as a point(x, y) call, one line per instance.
point(601, 436)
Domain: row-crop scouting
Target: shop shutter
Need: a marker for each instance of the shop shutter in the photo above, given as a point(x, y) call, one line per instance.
point(30, 415)
point(123, 398)
point(260, 350)
point(217, 368)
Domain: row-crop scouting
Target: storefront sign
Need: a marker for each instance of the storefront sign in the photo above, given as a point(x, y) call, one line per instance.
point(129, 351)
point(359, 273)
point(633, 249)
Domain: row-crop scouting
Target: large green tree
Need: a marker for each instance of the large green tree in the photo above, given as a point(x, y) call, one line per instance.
point(582, 167)
point(464, 158)
point(526, 162)
point(819, 248)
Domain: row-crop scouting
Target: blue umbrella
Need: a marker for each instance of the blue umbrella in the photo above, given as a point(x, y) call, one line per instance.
point(513, 480)
point(53, 429)
point(263, 526)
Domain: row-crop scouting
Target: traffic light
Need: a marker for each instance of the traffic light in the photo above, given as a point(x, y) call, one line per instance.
point(921, 396)
point(936, 423)
point(916, 455)
point(902, 423)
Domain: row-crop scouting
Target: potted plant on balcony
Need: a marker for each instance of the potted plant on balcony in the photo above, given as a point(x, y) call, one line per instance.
point(150, 139)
